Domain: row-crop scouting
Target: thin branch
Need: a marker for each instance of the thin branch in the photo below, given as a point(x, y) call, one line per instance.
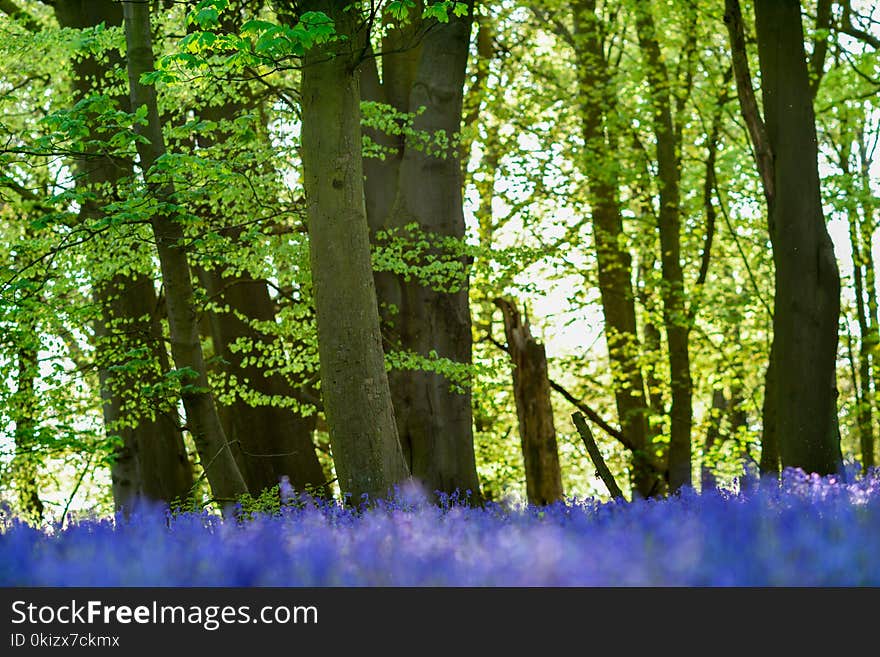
point(820, 48)
point(739, 248)
point(747, 101)
point(851, 29)
point(79, 481)
point(709, 181)
point(593, 415)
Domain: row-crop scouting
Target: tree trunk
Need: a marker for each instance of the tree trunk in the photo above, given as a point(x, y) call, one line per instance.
point(598, 99)
point(871, 340)
point(864, 394)
point(268, 441)
point(534, 410)
point(434, 420)
point(202, 418)
point(675, 316)
point(24, 412)
point(713, 437)
point(152, 462)
point(357, 399)
point(769, 462)
point(807, 280)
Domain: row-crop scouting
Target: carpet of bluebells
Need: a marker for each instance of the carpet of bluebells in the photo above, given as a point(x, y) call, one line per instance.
point(806, 531)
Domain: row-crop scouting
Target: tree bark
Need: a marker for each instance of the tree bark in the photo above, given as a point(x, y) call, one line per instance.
point(152, 462)
point(356, 395)
point(675, 316)
point(597, 97)
point(203, 421)
point(426, 77)
point(807, 279)
point(534, 409)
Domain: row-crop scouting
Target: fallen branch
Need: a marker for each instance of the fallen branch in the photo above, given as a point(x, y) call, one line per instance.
point(596, 456)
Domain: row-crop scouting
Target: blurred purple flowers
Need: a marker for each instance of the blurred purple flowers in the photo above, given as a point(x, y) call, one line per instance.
point(808, 531)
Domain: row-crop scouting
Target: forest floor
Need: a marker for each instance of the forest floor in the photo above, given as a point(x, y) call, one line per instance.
point(806, 531)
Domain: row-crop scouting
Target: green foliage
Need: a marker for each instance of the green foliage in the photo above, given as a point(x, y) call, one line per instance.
point(228, 92)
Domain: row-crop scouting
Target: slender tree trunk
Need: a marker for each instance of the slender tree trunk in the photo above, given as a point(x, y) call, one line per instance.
point(769, 463)
point(202, 418)
point(25, 411)
point(534, 410)
point(807, 279)
point(357, 399)
point(598, 99)
point(763, 155)
point(871, 339)
point(151, 462)
point(864, 395)
point(427, 76)
point(675, 316)
point(714, 437)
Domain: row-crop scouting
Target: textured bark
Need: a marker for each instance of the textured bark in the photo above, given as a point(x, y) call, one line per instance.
point(434, 421)
point(356, 395)
point(534, 410)
point(807, 279)
point(152, 462)
point(597, 97)
point(675, 316)
point(201, 413)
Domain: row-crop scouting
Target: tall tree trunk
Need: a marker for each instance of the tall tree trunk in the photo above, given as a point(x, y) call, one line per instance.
point(534, 410)
point(151, 462)
point(871, 340)
point(25, 411)
point(769, 461)
point(597, 97)
point(807, 280)
point(864, 395)
point(763, 155)
point(426, 77)
point(675, 315)
point(201, 413)
point(357, 399)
